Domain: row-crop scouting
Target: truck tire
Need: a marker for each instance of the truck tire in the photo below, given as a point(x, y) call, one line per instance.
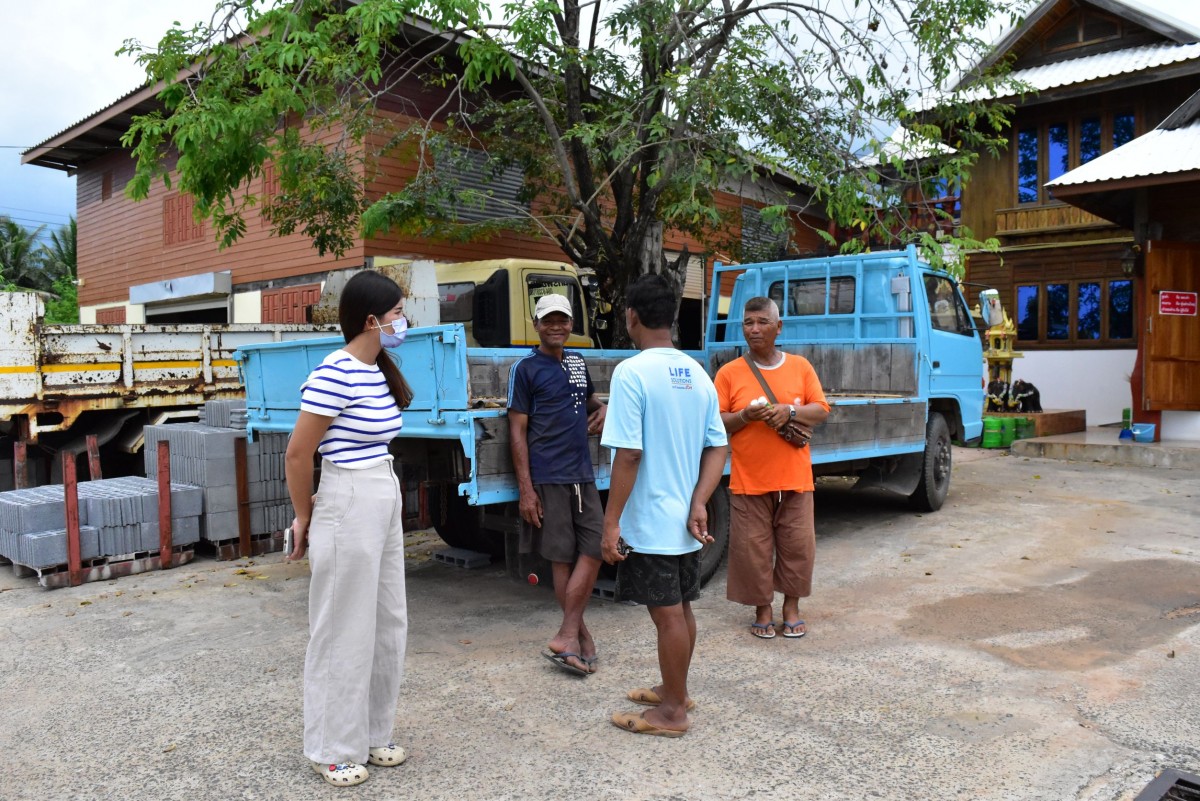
point(458, 524)
point(934, 485)
point(718, 526)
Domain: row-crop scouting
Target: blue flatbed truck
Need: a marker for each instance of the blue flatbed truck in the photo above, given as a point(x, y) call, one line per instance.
point(897, 351)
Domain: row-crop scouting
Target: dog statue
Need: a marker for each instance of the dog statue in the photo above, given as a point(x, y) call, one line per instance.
point(1026, 395)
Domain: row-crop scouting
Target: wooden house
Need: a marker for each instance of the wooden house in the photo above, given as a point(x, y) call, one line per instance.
point(1105, 73)
point(1149, 186)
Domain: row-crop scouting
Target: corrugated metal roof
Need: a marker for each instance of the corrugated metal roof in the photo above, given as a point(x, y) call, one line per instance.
point(1078, 71)
point(1106, 65)
point(1160, 152)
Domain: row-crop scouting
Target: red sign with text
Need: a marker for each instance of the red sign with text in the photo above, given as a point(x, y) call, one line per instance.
point(1177, 303)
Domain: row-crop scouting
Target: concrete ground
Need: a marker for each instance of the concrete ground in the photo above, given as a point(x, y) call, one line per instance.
point(1038, 638)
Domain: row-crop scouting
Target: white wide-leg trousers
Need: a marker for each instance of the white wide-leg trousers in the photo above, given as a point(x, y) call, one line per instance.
point(357, 614)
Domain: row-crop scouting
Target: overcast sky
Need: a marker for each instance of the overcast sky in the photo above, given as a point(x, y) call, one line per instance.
point(57, 66)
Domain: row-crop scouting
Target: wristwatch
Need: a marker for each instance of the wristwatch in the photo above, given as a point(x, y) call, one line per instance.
point(791, 412)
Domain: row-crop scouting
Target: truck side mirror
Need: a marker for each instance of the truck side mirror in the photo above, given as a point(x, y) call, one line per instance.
point(989, 307)
point(489, 313)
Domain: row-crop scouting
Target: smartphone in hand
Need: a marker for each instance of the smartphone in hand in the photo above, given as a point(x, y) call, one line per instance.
point(289, 543)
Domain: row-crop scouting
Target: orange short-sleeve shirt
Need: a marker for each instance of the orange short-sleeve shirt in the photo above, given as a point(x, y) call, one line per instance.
point(762, 460)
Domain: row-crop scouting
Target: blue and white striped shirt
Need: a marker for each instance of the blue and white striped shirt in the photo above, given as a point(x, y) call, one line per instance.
point(366, 416)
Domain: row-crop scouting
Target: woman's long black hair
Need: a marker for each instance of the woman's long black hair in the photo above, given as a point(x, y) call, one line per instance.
point(370, 293)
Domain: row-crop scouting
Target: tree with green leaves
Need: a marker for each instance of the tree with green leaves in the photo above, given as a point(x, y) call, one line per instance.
point(622, 118)
point(58, 258)
point(21, 259)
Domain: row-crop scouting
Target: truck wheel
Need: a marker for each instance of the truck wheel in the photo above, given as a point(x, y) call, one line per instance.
point(459, 526)
point(718, 526)
point(935, 472)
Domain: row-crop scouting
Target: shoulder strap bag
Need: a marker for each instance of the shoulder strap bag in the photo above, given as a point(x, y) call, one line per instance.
point(792, 432)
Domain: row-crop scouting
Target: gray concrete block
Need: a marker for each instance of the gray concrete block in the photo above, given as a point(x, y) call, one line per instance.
point(220, 499)
point(33, 509)
point(184, 531)
point(219, 527)
point(120, 540)
point(42, 549)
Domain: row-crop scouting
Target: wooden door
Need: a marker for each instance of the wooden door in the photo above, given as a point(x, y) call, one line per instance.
point(1171, 363)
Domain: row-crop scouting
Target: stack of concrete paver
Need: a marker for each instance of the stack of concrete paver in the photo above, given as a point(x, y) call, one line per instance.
point(117, 517)
point(224, 413)
point(203, 455)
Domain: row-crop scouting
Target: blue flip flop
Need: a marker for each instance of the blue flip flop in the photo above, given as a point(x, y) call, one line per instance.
point(789, 630)
point(561, 658)
point(760, 630)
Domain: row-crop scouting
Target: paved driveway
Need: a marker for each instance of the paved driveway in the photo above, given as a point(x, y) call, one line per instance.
point(1038, 638)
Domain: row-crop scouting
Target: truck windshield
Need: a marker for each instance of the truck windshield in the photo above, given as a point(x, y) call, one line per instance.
point(540, 285)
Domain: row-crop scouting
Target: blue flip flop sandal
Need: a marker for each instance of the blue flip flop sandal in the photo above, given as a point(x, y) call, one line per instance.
point(762, 630)
point(789, 630)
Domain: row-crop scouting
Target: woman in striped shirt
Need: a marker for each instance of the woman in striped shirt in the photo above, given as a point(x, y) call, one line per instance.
point(357, 615)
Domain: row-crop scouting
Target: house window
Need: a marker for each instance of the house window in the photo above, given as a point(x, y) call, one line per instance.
point(1089, 139)
point(270, 190)
point(1048, 150)
point(291, 304)
point(1027, 166)
point(106, 185)
point(1085, 311)
point(1123, 128)
point(482, 188)
point(179, 225)
point(1120, 310)
point(114, 315)
point(1059, 151)
point(760, 240)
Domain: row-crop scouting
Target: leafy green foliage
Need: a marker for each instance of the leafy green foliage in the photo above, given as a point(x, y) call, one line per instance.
point(623, 119)
point(48, 269)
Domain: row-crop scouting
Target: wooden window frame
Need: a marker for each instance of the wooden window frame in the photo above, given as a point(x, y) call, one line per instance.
point(1072, 341)
point(179, 225)
point(1074, 123)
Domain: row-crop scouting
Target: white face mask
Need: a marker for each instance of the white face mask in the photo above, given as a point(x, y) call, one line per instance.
point(395, 338)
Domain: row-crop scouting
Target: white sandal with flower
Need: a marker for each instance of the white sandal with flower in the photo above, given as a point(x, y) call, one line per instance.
point(386, 755)
point(341, 774)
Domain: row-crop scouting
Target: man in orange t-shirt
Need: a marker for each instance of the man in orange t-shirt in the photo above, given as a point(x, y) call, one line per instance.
point(772, 543)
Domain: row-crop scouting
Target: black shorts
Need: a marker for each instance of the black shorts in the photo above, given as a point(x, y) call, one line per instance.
point(656, 580)
point(572, 523)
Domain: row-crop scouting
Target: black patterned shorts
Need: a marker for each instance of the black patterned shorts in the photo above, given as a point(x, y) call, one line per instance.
point(656, 580)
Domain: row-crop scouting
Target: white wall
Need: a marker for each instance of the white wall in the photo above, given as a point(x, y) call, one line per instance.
point(1094, 380)
point(1098, 382)
point(1180, 425)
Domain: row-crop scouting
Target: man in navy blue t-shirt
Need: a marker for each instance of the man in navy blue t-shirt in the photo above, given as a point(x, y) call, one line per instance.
point(552, 408)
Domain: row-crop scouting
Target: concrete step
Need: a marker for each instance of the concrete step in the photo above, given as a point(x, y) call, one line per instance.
point(1101, 444)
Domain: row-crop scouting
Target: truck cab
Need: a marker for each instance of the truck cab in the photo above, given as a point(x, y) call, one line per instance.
point(494, 299)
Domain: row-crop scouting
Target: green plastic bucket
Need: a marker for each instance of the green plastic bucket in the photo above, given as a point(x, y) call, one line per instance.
point(1008, 430)
point(991, 432)
point(1026, 429)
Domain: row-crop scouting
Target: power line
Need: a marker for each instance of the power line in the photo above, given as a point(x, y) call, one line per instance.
point(35, 211)
point(30, 221)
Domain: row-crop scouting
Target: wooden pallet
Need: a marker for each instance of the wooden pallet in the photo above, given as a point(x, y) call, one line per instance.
point(106, 568)
point(225, 550)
